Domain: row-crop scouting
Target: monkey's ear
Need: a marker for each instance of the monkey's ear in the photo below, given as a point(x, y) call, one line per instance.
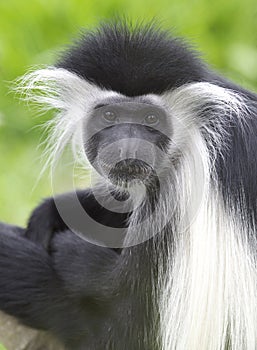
point(198, 96)
point(55, 88)
point(69, 95)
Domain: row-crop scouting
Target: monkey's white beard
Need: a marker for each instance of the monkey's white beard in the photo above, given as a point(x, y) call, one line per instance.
point(209, 291)
point(208, 295)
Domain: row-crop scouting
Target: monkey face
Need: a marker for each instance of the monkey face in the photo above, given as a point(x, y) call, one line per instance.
point(125, 140)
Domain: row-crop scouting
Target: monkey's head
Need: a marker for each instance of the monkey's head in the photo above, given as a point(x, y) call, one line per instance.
point(129, 126)
point(128, 99)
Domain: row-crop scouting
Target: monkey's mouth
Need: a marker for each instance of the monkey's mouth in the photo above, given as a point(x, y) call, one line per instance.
point(129, 170)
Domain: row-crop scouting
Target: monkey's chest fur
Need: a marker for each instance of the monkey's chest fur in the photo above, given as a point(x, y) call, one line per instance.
point(125, 313)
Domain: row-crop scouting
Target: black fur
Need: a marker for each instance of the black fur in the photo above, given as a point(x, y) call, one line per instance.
point(80, 292)
point(237, 166)
point(46, 220)
point(65, 292)
point(133, 61)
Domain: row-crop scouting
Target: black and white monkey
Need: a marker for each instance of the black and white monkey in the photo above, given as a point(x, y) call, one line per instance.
point(175, 142)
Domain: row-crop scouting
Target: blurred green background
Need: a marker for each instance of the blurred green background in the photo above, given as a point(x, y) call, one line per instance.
point(32, 31)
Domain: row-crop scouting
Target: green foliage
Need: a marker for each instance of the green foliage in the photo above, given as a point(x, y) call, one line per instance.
point(2, 347)
point(31, 32)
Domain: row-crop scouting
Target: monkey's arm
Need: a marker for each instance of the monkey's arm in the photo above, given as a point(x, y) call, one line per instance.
point(56, 292)
point(46, 220)
point(27, 279)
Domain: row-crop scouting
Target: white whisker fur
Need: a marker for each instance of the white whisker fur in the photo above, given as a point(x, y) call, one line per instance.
point(71, 96)
point(210, 295)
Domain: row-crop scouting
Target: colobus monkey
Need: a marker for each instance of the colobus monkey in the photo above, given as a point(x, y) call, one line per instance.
point(164, 255)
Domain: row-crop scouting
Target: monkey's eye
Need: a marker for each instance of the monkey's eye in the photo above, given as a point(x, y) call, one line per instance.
point(110, 116)
point(151, 119)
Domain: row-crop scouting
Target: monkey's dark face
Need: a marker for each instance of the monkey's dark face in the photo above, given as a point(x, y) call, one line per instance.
point(126, 140)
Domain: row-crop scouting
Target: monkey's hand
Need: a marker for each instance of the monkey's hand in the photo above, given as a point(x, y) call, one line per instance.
point(44, 222)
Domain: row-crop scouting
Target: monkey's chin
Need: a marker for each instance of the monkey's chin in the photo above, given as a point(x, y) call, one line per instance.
point(127, 173)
